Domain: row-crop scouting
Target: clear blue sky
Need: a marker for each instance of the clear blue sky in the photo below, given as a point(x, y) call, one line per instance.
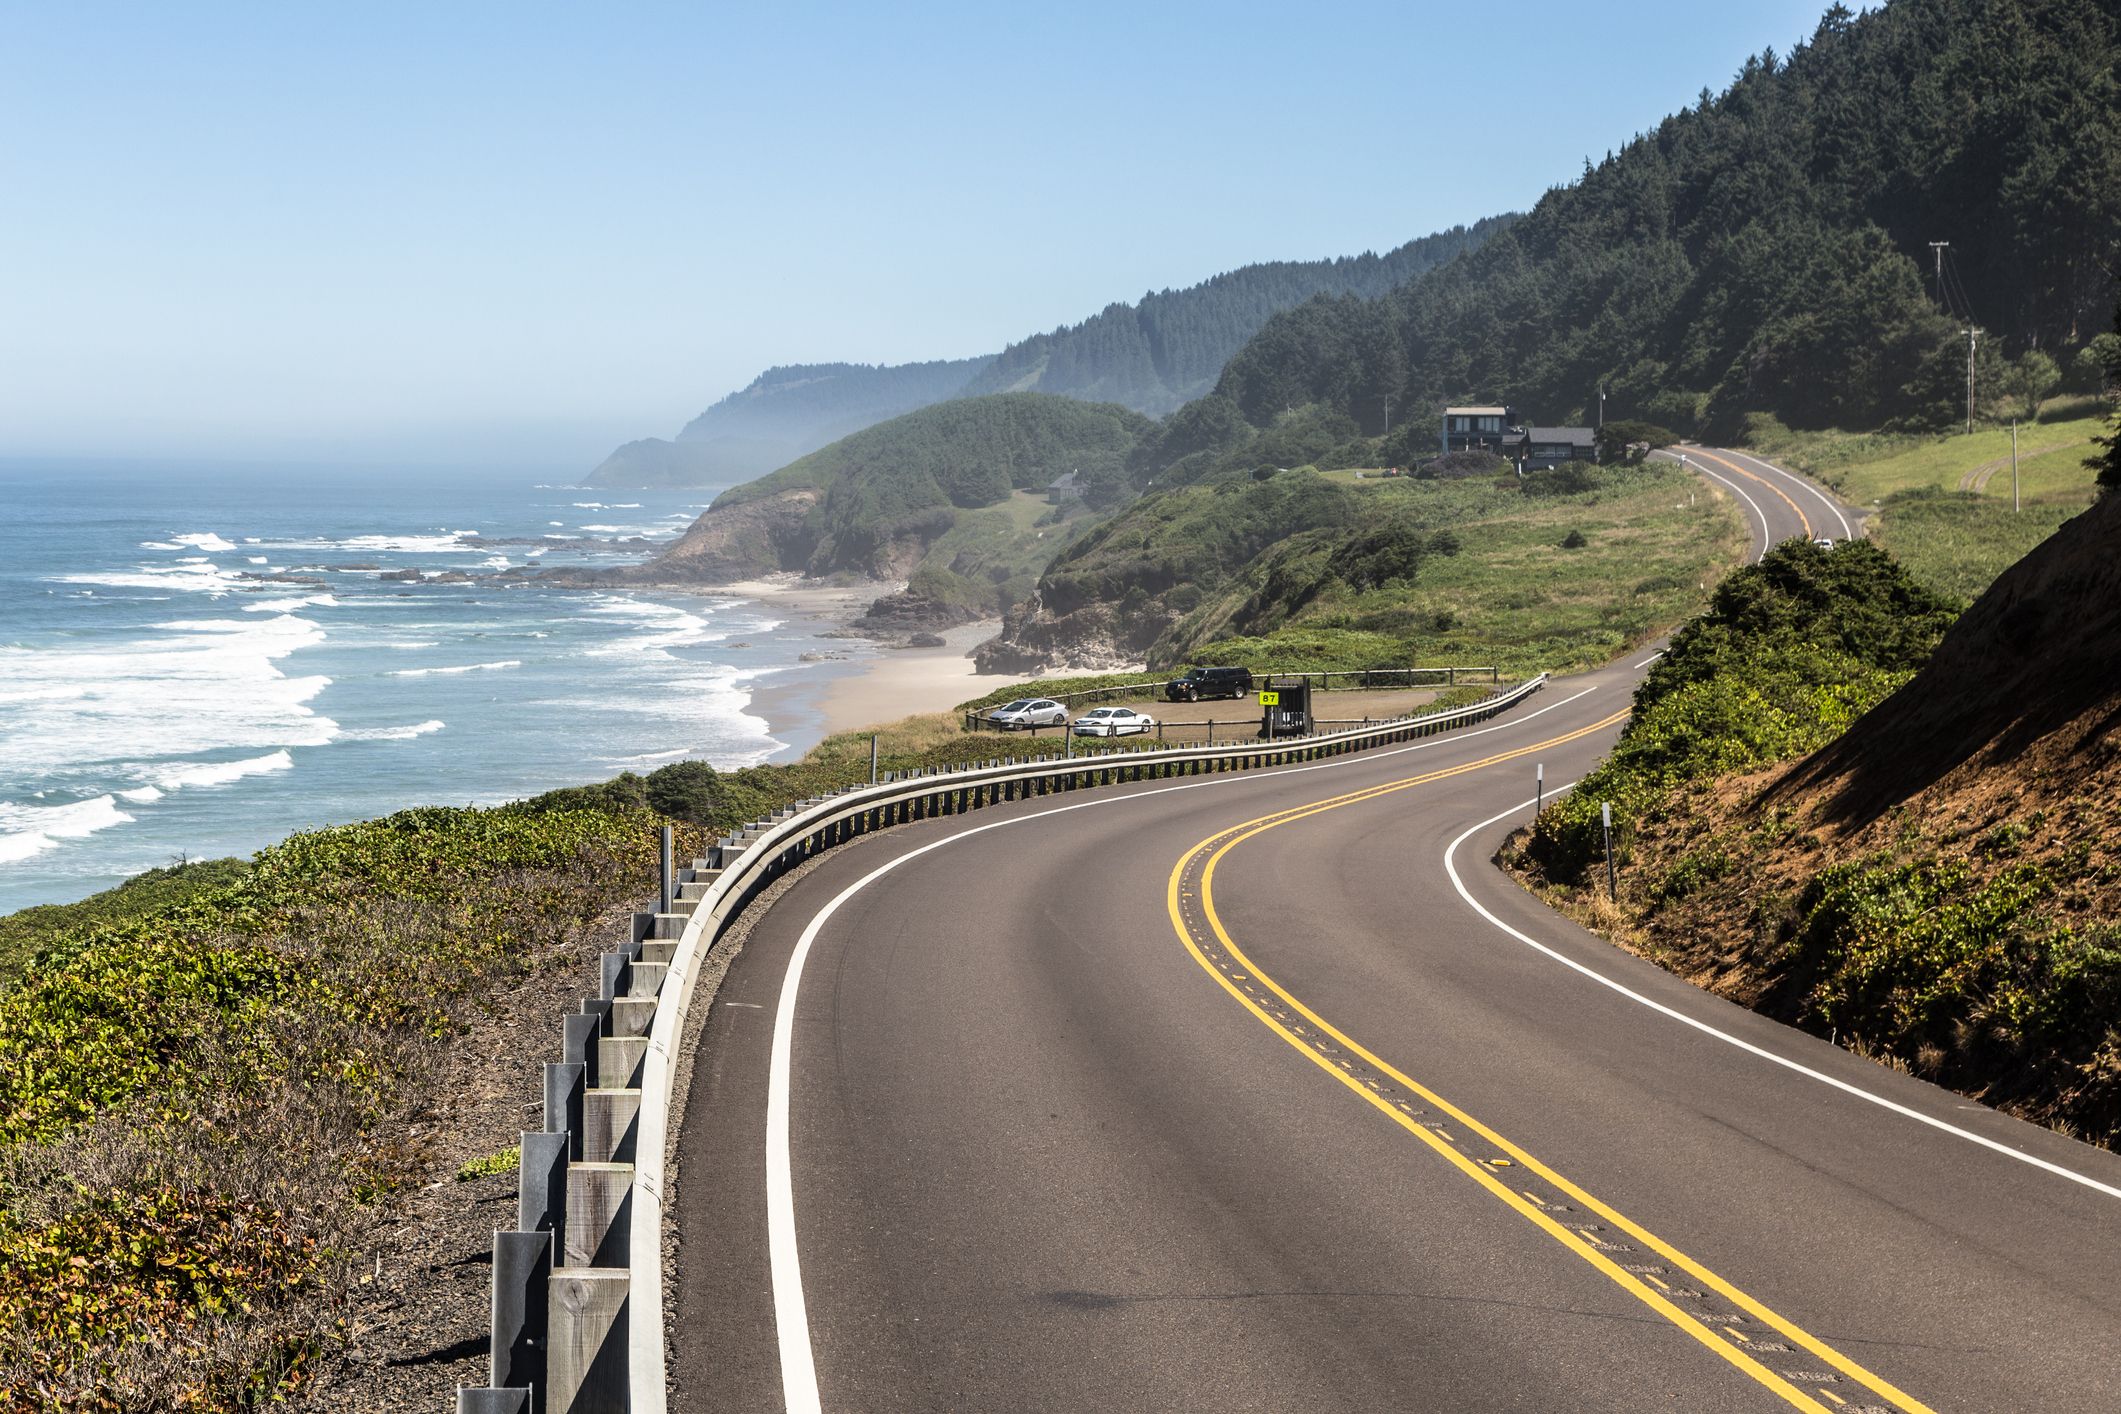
point(483, 232)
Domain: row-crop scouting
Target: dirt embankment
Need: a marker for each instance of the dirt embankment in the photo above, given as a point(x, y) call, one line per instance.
point(738, 542)
point(1941, 886)
point(1089, 639)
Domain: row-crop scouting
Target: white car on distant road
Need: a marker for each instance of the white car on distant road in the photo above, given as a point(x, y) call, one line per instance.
point(1027, 713)
point(1113, 721)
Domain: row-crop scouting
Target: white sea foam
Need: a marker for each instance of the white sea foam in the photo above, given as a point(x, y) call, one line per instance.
point(196, 574)
point(204, 540)
point(450, 541)
point(417, 729)
point(27, 830)
point(289, 606)
point(187, 686)
point(257, 559)
point(221, 773)
point(461, 668)
point(663, 627)
point(141, 795)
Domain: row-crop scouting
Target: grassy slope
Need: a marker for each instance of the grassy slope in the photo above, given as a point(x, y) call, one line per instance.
point(1956, 542)
point(1511, 595)
point(991, 558)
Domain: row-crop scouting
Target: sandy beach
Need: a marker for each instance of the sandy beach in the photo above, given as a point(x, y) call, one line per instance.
point(856, 682)
point(899, 682)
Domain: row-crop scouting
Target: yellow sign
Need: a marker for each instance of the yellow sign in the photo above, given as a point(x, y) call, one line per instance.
point(1270, 699)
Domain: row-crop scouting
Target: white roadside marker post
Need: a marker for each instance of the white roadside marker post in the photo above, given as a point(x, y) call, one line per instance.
point(1612, 886)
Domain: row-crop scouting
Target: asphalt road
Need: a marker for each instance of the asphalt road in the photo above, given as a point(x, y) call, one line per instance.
point(1267, 1092)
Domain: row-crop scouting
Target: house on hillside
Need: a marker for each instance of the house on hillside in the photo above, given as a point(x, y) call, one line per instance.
point(1477, 429)
point(1538, 448)
point(1496, 430)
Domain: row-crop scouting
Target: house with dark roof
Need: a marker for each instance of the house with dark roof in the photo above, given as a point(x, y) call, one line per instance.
point(1496, 429)
point(1538, 448)
point(1477, 429)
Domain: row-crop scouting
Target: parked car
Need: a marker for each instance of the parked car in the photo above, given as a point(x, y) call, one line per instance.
point(1026, 713)
point(1113, 721)
point(1824, 543)
point(1203, 683)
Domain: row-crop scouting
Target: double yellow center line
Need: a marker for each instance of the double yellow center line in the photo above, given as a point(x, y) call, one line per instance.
point(1327, 1046)
point(1802, 519)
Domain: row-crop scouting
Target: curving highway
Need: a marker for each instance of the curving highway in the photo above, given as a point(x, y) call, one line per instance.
point(1268, 1092)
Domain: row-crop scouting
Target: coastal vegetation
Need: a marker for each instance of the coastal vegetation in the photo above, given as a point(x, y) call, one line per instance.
point(954, 498)
point(205, 1076)
point(1305, 571)
point(1843, 807)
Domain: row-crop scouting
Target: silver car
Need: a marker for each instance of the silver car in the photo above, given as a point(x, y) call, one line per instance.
point(1113, 721)
point(1026, 713)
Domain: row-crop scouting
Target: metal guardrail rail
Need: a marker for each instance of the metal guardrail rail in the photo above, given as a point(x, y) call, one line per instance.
point(578, 1284)
point(1356, 679)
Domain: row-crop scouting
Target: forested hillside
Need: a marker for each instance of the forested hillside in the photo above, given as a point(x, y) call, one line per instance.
point(1150, 357)
point(783, 414)
point(1767, 250)
point(1171, 347)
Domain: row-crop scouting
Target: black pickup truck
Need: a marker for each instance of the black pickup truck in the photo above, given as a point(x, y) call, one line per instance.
point(1203, 683)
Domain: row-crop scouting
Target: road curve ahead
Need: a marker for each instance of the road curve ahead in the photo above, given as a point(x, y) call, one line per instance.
point(1267, 1092)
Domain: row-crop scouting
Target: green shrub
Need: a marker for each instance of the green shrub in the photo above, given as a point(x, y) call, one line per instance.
point(506, 1161)
point(1791, 651)
point(685, 790)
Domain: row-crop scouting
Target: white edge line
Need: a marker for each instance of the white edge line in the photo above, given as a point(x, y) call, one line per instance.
point(1451, 867)
point(1824, 499)
point(791, 1317)
point(1651, 659)
point(1766, 535)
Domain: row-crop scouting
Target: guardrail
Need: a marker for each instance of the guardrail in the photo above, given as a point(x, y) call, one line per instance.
point(1354, 680)
point(578, 1284)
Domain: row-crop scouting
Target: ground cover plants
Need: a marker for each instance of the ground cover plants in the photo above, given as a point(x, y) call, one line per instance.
point(1963, 933)
point(1941, 502)
point(197, 1096)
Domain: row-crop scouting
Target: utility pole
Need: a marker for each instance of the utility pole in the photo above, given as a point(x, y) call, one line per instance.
point(1940, 247)
point(1601, 409)
point(1388, 414)
point(1969, 380)
point(2014, 466)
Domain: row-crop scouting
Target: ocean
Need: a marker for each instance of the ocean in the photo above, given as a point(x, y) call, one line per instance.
point(160, 701)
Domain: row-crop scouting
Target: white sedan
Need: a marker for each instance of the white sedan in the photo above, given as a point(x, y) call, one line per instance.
point(1028, 712)
point(1113, 721)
